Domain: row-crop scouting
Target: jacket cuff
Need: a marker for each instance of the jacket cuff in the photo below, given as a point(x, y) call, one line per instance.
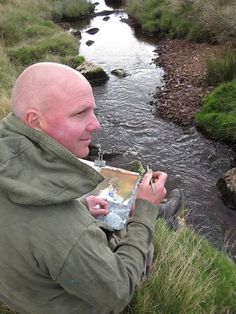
point(145, 213)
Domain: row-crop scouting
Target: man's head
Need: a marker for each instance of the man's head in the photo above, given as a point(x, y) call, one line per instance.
point(58, 101)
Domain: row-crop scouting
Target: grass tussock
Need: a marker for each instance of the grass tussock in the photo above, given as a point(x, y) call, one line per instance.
point(198, 20)
point(69, 9)
point(217, 117)
point(28, 34)
point(188, 276)
point(220, 70)
point(60, 44)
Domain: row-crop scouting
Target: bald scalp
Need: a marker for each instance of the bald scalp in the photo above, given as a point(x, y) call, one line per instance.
point(39, 84)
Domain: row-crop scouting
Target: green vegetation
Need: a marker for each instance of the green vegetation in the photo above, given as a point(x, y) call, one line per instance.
point(69, 9)
point(210, 20)
point(28, 34)
point(60, 44)
point(217, 117)
point(188, 276)
point(221, 70)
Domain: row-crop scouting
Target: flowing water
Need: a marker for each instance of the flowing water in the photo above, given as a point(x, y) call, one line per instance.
point(131, 126)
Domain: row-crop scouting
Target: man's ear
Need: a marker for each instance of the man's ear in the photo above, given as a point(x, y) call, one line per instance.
point(34, 119)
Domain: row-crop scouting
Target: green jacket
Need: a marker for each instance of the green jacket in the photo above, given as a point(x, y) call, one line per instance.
point(54, 256)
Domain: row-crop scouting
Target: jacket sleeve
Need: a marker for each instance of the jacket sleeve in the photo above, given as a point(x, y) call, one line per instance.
point(107, 279)
point(83, 200)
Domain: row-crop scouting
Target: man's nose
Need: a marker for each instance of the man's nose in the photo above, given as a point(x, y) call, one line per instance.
point(93, 124)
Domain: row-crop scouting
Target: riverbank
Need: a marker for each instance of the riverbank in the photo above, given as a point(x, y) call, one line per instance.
point(185, 69)
point(198, 22)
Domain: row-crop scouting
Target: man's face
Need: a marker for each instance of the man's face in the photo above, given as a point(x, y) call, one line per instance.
point(70, 120)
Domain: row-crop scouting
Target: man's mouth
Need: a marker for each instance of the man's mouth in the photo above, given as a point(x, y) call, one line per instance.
point(85, 139)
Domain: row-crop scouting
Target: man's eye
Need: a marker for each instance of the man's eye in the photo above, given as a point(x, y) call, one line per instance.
point(81, 113)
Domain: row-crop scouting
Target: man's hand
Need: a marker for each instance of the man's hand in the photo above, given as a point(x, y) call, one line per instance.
point(155, 192)
point(97, 206)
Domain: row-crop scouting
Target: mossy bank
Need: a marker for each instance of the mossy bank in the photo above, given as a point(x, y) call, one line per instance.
point(217, 117)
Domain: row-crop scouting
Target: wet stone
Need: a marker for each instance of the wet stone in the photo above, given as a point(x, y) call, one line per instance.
point(75, 32)
point(119, 72)
point(92, 31)
point(90, 42)
point(227, 187)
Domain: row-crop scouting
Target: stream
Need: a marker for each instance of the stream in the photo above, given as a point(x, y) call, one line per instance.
point(132, 128)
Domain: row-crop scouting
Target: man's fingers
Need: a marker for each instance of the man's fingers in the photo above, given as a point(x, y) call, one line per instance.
point(147, 178)
point(99, 212)
point(159, 176)
point(103, 204)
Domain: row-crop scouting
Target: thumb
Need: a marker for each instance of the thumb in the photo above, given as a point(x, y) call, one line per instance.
point(147, 178)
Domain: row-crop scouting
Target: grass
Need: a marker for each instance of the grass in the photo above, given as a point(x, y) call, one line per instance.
point(188, 276)
point(7, 75)
point(217, 117)
point(60, 44)
point(69, 9)
point(198, 20)
point(28, 34)
point(220, 70)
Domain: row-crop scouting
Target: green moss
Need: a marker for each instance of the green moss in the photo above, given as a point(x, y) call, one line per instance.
point(217, 117)
point(137, 166)
point(97, 76)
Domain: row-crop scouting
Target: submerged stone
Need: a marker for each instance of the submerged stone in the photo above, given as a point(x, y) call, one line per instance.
point(75, 32)
point(89, 42)
point(92, 31)
point(119, 72)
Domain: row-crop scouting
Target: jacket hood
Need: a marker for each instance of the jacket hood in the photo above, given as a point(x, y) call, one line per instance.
point(37, 170)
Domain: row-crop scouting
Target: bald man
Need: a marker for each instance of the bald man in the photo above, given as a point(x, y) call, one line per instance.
point(55, 256)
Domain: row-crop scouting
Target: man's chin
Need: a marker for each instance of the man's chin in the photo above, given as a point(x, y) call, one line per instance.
point(82, 153)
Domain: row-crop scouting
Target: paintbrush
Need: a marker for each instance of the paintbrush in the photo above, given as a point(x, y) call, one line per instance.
point(151, 182)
